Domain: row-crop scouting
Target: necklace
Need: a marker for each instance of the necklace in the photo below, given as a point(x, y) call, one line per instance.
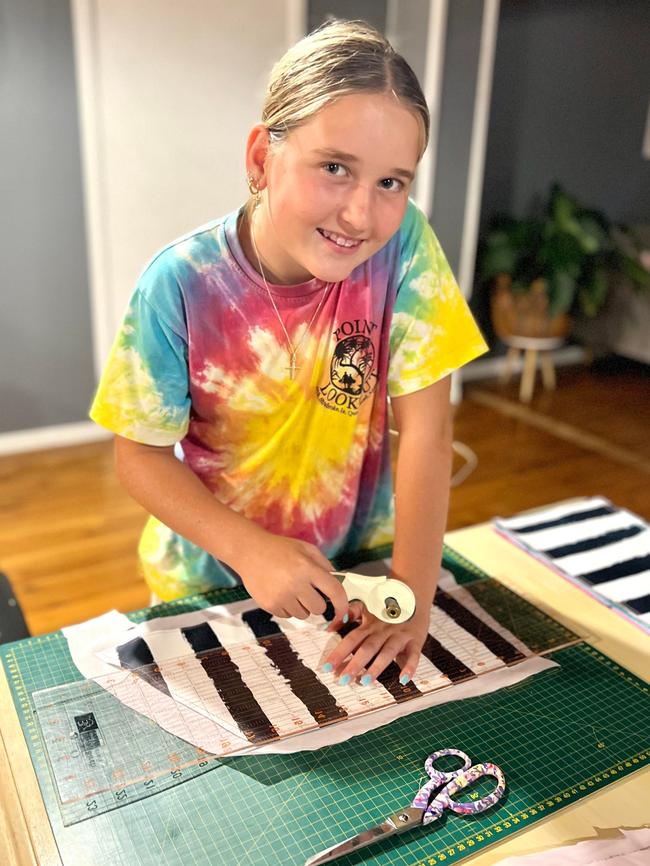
point(293, 350)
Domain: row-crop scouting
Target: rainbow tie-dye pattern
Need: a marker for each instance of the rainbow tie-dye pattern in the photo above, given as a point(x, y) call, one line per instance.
point(201, 359)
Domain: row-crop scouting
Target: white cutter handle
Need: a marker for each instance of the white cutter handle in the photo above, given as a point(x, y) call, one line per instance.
point(388, 599)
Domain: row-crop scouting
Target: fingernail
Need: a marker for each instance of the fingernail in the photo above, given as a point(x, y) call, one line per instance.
point(327, 667)
point(346, 618)
point(323, 626)
point(404, 679)
point(345, 679)
point(366, 680)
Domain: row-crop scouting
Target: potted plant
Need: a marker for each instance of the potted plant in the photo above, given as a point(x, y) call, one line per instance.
point(549, 267)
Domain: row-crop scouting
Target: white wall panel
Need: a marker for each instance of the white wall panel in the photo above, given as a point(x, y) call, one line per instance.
point(168, 92)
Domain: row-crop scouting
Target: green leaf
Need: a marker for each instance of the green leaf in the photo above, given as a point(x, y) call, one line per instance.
point(500, 256)
point(593, 292)
point(634, 271)
point(562, 208)
point(561, 291)
point(561, 252)
point(590, 234)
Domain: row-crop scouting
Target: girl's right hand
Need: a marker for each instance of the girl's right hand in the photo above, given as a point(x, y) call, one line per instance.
point(285, 576)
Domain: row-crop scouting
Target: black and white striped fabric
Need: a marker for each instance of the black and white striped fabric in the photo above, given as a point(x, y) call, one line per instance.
point(602, 548)
point(262, 679)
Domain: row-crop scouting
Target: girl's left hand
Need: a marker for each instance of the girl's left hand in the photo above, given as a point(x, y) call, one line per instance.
point(383, 642)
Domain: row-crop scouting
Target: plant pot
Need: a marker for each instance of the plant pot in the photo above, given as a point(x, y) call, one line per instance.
point(524, 314)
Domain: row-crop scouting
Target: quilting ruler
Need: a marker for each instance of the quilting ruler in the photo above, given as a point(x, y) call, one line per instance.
point(102, 754)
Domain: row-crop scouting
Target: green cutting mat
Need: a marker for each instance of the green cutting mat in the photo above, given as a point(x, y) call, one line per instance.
point(558, 736)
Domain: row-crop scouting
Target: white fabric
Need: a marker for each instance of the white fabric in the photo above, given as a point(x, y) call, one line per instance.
point(92, 647)
point(604, 557)
point(557, 536)
point(620, 593)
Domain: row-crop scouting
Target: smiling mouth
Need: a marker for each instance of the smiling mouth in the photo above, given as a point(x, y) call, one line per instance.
point(340, 240)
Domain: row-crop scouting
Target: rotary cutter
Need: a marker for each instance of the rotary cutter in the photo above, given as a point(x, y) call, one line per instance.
point(388, 599)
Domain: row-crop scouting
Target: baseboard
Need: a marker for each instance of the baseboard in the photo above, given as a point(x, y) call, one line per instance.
point(490, 368)
point(56, 436)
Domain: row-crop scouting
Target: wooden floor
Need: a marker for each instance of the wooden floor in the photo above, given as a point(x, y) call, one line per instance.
point(68, 533)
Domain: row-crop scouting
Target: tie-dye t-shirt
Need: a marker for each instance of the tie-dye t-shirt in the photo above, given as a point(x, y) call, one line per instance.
point(202, 360)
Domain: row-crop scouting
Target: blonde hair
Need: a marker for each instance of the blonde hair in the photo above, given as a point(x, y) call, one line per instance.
point(337, 59)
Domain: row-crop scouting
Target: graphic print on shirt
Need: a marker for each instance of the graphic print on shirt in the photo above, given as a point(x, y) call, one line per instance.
point(353, 372)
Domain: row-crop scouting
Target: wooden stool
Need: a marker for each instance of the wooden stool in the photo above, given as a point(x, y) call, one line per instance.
point(531, 347)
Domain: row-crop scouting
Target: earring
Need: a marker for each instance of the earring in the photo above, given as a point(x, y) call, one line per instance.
point(254, 190)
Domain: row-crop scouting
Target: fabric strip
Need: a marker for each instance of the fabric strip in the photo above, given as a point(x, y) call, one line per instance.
point(445, 661)
point(303, 682)
point(604, 557)
point(576, 517)
point(554, 512)
point(482, 632)
point(233, 691)
point(389, 678)
point(136, 655)
point(593, 543)
point(621, 569)
point(640, 605)
point(560, 535)
point(625, 587)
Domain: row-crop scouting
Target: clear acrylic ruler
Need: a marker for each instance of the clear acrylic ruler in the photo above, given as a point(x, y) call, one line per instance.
point(103, 755)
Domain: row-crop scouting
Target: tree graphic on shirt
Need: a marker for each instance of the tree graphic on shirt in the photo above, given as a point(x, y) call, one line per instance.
point(352, 361)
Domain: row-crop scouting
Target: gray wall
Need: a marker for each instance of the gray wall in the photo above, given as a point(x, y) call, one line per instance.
point(46, 364)
point(570, 98)
point(462, 46)
point(372, 11)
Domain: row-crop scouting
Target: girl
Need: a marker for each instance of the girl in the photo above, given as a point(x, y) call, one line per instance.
point(266, 345)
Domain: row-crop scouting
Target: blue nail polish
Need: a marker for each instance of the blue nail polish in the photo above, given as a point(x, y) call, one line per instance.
point(404, 679)
point(366, 680)
point(345, 679)
point(327, 667)
point(346, 618)
point(323, 626)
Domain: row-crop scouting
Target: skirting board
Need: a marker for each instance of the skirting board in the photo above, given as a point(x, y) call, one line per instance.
point(56, 436)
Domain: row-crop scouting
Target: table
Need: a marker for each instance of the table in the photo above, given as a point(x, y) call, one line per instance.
point(25, 836)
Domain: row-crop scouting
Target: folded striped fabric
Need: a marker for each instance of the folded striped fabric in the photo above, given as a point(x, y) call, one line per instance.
point(602, 548)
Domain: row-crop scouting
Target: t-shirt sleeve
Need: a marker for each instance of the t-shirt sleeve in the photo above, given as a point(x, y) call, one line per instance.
point(143, 393)
point(432, 330)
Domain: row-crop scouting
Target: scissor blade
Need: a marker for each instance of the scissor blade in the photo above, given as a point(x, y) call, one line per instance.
point(397, 823)
point(386, 828)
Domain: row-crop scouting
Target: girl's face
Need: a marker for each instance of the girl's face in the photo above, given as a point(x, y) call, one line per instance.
point(336, 188)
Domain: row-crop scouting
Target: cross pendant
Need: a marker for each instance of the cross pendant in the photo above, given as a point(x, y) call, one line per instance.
point(293, 366)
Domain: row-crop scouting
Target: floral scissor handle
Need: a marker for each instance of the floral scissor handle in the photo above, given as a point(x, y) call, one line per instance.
point(451, 782)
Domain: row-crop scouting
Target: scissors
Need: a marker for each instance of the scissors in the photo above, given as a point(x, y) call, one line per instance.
point(423, 810)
